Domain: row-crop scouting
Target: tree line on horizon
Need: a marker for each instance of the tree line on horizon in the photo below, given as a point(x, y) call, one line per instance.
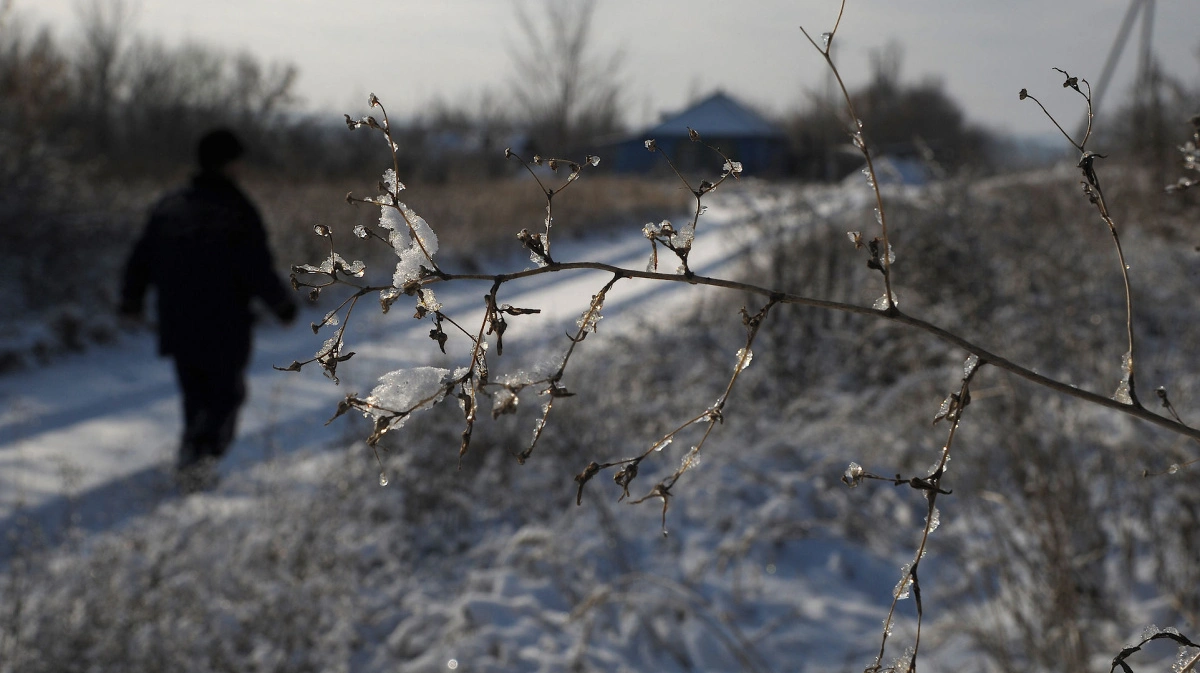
point(108, 96)
point(108, 103)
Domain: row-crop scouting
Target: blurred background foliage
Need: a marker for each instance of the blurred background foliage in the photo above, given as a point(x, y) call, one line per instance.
point(95, 122)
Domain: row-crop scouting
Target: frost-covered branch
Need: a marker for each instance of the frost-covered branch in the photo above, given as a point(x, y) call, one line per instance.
point(1127, 388)
point(888, 300)
point(931, 486)
point(710, 417)
point(1191, 159)
point(473, 383)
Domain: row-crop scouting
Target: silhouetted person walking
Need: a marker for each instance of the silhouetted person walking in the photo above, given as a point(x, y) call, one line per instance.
point(205, 251)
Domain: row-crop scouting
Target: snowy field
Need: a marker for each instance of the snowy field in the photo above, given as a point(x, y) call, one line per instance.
point(108, 419)
point(300, 560)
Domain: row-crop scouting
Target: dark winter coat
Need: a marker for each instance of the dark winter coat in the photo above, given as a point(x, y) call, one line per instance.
point(205, 251)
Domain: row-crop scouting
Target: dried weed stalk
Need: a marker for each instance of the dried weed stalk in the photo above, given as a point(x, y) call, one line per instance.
point(404, 392)
point(1191, 159)
point(1127, 388)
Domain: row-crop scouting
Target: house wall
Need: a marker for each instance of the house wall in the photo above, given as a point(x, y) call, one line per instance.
point(765, 157)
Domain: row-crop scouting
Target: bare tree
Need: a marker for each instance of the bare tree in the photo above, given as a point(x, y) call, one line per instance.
point(33, 81)
point(569, 92)
point(104, 27)
point(259, 92)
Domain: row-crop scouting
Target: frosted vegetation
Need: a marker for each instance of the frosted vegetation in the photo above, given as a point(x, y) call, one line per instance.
point(771, 563)
point(1040, 529)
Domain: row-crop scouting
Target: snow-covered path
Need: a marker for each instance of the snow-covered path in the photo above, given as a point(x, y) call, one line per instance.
point(89, 439)
point(86, 445)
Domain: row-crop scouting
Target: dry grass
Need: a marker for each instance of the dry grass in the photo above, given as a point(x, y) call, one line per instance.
point(66, 264)
point(470, 218)
point(1022, 264)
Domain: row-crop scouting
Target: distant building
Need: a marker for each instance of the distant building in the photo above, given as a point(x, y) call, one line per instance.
point(741, 133)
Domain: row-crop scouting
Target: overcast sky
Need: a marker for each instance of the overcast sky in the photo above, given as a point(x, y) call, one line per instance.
point(410, 52)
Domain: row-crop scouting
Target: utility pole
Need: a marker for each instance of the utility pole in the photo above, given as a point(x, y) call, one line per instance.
point(1144, 9)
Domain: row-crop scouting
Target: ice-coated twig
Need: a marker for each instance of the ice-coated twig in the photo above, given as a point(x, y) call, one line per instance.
point(710, 417)
point(494, 320)
point(1152, 634)
point(539, 245)
point(586, 325)
point(1127, 388)
point(931, 487)
point(895, 316)
point(667, 236)
point(860, 143)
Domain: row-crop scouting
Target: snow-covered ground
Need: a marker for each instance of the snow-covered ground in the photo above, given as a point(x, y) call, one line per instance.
point(299, 560)
point(106, 422)
point(86, 444)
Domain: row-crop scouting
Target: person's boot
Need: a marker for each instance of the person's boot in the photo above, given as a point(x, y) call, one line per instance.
point(196, 471)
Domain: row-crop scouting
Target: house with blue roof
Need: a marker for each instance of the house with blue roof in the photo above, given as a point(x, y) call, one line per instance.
point(739, 132)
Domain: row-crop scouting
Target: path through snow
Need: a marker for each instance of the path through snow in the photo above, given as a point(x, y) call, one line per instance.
point(89, 439)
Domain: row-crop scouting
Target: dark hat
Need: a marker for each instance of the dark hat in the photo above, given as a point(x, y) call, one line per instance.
point(217, 148)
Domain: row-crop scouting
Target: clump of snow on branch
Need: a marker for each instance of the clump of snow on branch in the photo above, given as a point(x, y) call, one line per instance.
point(408, 390)
point(413, 251)
point(334, 262)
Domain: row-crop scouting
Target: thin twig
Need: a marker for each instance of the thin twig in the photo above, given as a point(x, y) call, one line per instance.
point(861, 144)
point(1091, 187)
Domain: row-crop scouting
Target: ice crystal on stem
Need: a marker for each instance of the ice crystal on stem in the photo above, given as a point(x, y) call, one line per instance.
point(505, 403)
point(428, 301)
point(406, 390)
point(391, 183)
point(744, 356)
point(904, 586)
point(356, 268)
point(587, 322)
point(853, 475)
point(330, 346)
point(882, 304)
point(537, 257)
point(944, 410)
point(1123, 394)
point(969, 367)
point(683, 239)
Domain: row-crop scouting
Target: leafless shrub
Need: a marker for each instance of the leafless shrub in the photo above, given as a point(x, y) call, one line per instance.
point(1067, 562)
point(1191, 158)
point(1035, 474)
point(570, 93)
